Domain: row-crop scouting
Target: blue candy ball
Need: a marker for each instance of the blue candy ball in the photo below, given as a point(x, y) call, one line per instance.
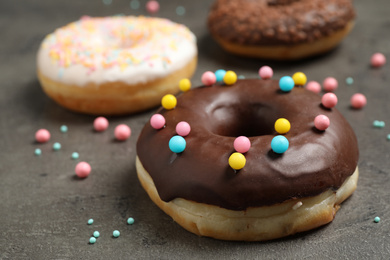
point(286, 83)
point(177, 144)
point(219, 74)
point(279, 144)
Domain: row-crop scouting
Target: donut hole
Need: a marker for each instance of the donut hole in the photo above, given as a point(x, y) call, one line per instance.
point(243, 120)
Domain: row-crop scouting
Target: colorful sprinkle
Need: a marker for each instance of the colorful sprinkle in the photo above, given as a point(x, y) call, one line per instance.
point(299, 78)
point(329, 100)
point(321, 122)
point(122, 132)
point(313, 86)
point(82, 170)
point(242, 144)
point(96, 234)
point(237, 161)
point(185, 85)
point(90, 221)
point(157, 121)
point(286, 83)
point(177, 144)
point(208, 78)
point(266, 72)
point(100, 124)
point(92, 240)
point(116, 233)
point(37, 151)
point(180, 10)
point(377, 219)
point(169, 101)
point(279, 144)
point(282, 125)
point(134, 4)
point(330, 84)
point(297, 205)
point(378, 60)
point(378, 124)
point(42, 136)
point(349, 81)
point(230, 77)
point(219, 74)
point(75, 155)
point(358, 101)
point(183, 128)
point(56, 146)
point(152, 7)
point(64, 129)
point(130, 221)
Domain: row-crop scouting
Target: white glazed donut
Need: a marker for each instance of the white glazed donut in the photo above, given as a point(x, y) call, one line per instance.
point(115, 65)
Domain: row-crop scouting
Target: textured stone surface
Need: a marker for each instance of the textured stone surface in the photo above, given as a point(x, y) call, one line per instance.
point(44, 209)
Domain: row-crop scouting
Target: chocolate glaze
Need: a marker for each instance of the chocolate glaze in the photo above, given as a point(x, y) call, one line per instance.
point(315, 161)
point(280, 22)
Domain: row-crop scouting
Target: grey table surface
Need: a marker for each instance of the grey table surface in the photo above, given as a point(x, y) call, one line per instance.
point(44, 209)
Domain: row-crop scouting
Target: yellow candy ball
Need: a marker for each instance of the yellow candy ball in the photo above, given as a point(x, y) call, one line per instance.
point(237, 161)
point(282, 126)
point(185, 85)
point(169, 101)
point(230, 77)
point(299, 78)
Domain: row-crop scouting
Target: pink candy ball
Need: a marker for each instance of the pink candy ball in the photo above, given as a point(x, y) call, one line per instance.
point(42, 136)
point(242, 144)
point(266, 72)
point(83, 169)
point(329, 100)
point(183, 128)
point(122, 132)
point(157, 121)
point(313, 86)
point(208, 78)
point(330, 84)
point(378, 60)
point(100, 124)
point(321, 122)
point(152, 7)
point(358, 101)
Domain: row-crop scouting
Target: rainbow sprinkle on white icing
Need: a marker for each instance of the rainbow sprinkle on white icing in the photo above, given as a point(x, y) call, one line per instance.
point(119, 48)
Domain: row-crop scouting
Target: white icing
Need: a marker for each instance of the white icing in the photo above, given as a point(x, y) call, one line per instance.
point(137, 49)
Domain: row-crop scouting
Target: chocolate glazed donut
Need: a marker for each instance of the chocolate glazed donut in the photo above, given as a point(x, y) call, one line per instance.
point(280, 29)
point(316, 162)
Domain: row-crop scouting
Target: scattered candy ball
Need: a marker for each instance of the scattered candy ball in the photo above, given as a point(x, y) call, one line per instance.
point(134, 4)
point(330, 84)
point(230, 77)
point(219, 74)
point(56, 146)
point(183, 128)
point(122, 132)
point(96, 234)
point(177, 144)
point(37, 151)
point(75, 155)
point(185, 85)
point(208, 78)
point(242, 144)
point(116, 233)
point(180, 10)
point(358, 101)
point(378, 124)
point(321, 122)
point(237, 161)
point(152, 7)
point(130, 221)
point(282, 125)
point(266, 72)
point(349, 81)
point(329, 100)
point(169, 101)
point(377, 219)
point(388, 137)
point(90, 221)
point(299, 78)
point(157, 121)
point(279, 144)
point(42, 136)
point(286, 83)
point(378, 60)
point(64, 129)
point(100, 124)
point(313, 86)
point(92, 240)
point(83, 169)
